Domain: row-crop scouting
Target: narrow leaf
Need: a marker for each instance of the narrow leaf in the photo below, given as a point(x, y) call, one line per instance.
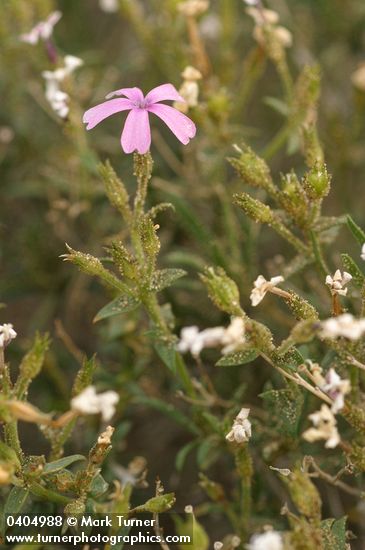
point(357, 232)
point(238, 358)
point(61, 464)
point(122, 304)
point(351, 266)
point(164, 278)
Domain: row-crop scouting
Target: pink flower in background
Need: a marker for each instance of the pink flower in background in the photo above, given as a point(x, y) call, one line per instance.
point(136, 135)
point(43, 30)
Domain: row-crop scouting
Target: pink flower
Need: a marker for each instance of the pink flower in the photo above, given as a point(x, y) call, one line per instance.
point(136, 135)
point(43, 30)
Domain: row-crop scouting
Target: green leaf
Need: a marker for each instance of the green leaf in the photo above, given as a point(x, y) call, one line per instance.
point(277, 105)
point(14, 504)
point(207, 453)
point(183, 454)
point(357, 232)
point(238, 358)
point(164, 278)
point(167, 353)
point(170, 411)
point(98, 486)
point(334, 533)
point(122, 304)
point(285, 408)
point(16, 500)
point(292, 358)
point(61, 464)
point(351, 266)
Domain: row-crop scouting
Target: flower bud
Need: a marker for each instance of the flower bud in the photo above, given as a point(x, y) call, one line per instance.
point(252, 169)
point(124, 260)
point(317, 182)
point(115, 190)
point(222, 291)
point(159, 504)
point(255, 209)
point(304, 494)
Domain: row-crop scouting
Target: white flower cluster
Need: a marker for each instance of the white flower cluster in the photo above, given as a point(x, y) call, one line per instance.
point(109, 6)
point(241, 428)
point(264, 17)
point(338, 282)
point(43, 30)
point(230, 338)
point(345, 325)
point(189, 89)
point(57, 98)
point(271, 540)
point(262, 287)
point(325, 427)
point(89, 402)
point(7, 334)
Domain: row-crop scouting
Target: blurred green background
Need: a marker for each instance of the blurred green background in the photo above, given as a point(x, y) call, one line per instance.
point(51, 193)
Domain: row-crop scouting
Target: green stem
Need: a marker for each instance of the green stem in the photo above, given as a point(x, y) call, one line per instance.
point(245, 470)
point(317, 251)
point(47, 494)
point(12, 438)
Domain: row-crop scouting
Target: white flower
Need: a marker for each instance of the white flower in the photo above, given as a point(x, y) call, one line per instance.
point(233, 336)
point(241, 428)
point(325, 427)
point(43, 30)
point(7, 334)
point(190, 92)
point(263, 16)
point(89, 402)
point(271, 540)
point(358, 77)
point(191, 339)
point(336, 388)
point(363, 252)
point(262, 286)
point(218, 545)
point(338, 281)
point(194, 341)
point(109, 6)
point(345, 325)
point(71, 64)
point(192, 8)
point(251, 2)
point(57, 98)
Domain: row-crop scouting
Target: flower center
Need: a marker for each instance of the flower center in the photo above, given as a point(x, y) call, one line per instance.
point(141, 104)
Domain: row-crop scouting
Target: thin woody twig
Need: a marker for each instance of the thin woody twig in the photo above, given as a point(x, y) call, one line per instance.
point(334, 480)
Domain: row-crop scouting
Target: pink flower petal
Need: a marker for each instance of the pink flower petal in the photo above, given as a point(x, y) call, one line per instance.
point(163, 93)
point(134, 94)
point(93, 116)
point(136, 134)
point(183, 128)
